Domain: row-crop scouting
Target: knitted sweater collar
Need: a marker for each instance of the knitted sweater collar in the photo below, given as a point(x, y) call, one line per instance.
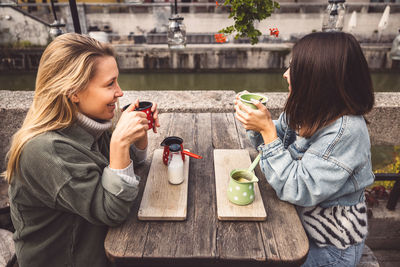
point(93, 127)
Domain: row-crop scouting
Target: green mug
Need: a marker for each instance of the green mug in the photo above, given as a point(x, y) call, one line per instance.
point(241, 190)
point(241, 184)
point(247, 98)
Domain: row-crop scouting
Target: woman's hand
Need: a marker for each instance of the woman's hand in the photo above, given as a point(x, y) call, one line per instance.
point(131, 126)
point(131, 129)
point(258, 120)
point(154, 110)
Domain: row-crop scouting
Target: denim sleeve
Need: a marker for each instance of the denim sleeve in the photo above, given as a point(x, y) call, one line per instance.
point(280, 125)
point(303, 182)
point(256, 138)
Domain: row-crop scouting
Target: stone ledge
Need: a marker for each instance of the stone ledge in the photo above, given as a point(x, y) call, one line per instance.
point(188, 101)
point(168, 101)
point(384, 119)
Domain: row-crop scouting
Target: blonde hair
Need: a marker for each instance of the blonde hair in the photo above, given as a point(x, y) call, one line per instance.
point(66, 67)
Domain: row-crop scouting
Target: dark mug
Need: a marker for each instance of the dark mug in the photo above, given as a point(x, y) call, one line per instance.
point(145, 107)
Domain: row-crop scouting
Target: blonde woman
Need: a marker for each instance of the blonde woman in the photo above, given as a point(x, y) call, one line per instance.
point(69, 177)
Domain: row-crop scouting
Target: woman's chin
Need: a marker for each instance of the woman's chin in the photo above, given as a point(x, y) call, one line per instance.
point(105, 117)
point(110, 116)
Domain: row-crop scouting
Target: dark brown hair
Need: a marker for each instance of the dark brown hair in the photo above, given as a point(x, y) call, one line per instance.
point(329, 78)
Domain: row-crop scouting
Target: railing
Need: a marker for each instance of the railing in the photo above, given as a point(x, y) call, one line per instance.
point(206, 7)
point(192, 38)
point(395, 192)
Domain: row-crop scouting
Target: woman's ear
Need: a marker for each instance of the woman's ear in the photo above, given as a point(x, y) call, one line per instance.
point(74, 98)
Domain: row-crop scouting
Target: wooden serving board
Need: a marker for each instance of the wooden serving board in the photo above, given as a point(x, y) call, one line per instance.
point(225, 160)
point(161, 200)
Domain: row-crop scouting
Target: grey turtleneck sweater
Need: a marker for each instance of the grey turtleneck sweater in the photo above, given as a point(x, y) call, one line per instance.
point(96, 129)
point(64, 196)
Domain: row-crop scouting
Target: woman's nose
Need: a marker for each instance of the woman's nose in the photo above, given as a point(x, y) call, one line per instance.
point(285, 75)
point(118, 92)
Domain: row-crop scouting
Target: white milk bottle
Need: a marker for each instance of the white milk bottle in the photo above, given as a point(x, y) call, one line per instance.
point(175, 165)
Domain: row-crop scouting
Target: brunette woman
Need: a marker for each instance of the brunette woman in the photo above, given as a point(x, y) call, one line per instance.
point(317, 154)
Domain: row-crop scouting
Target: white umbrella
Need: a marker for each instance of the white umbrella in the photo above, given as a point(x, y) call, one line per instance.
point(383, 23)
point(353, 21)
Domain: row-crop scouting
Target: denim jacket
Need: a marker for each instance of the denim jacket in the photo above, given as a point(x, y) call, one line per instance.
point(330, 168)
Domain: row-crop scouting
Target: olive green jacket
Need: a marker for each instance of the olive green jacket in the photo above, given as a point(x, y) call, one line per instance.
point(64, 198)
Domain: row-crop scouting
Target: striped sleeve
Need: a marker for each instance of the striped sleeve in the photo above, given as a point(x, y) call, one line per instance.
point(339, 226)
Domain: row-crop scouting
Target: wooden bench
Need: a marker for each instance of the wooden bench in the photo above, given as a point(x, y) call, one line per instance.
point(7, 249)
point(5, 219)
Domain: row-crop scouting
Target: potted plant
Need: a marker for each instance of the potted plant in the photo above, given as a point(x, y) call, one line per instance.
point(245, 13)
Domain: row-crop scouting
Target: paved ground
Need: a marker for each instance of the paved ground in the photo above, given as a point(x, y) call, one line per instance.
point(384, 230)
point(388, 258)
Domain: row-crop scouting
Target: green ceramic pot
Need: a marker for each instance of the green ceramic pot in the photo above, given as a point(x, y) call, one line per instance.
point(241, 187)
point(246, 99)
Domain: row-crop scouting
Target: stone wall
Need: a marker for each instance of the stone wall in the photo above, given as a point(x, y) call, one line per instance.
point(122, 19)
point(287, 23)
point(201, 57)
point(384, 120)
point(17, 27)
point(204, 57)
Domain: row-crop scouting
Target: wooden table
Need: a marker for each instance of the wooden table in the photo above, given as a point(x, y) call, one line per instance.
point(203, 240)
